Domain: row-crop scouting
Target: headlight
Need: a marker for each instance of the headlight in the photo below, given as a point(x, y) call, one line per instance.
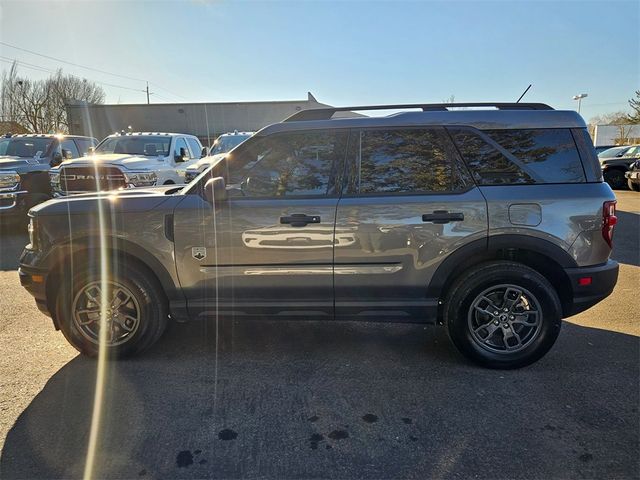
point(9, 179)
point(54, 180)
point(33, 234)
point(140, 179)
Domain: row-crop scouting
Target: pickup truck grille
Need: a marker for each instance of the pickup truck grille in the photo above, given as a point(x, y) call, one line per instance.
point(90, 179)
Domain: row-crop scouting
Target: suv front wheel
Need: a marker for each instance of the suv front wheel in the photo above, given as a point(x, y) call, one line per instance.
point(126, 310)
point(503, 315)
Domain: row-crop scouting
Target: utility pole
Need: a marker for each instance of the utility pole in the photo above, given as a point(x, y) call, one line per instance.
point(147, 93)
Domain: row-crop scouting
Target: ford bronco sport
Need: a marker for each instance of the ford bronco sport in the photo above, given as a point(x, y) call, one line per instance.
point(492, 220)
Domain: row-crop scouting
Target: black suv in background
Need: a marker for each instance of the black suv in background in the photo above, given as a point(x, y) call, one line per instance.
point(25, 161)
point(614, 168)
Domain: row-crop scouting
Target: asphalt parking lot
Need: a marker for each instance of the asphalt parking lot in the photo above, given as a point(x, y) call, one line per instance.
point(311, 399)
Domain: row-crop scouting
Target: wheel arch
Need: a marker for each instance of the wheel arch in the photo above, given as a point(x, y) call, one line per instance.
point(87, 248)
point(548, 259)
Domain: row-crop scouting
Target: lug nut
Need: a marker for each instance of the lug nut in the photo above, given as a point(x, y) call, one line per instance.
point(511, 317)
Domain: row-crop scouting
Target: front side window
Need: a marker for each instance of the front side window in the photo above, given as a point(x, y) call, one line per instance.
point(404, 161)
point(196, 148)
point(180, 143)
point(520, 156)
point(147, 145)
point(68, 146)
point(289, 164)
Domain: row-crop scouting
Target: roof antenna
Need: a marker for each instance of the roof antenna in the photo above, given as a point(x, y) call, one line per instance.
point(524, 93)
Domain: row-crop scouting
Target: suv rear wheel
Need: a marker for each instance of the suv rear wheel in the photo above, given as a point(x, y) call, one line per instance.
point(134, 308)
point(503, 315)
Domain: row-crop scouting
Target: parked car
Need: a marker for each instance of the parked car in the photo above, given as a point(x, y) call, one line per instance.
point(614, 168)
point(633, 176)
point(223, 144)
point(493, 222)
point(128, 160)
point(25, 161)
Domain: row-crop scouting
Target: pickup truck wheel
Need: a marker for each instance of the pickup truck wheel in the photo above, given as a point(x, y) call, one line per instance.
point(503, 315)
point(133, 311)
point(633, 186)
point(615, 178)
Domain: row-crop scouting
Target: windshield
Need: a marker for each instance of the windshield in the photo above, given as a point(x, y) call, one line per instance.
point(612, 152)
point(225, 143)
point(150, 146)
point(632, 152)
point(25, 146)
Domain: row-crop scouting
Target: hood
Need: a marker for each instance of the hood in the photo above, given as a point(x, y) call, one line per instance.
point(206, 162)
point(130, 162)
point(12, 163)
point(130, 200)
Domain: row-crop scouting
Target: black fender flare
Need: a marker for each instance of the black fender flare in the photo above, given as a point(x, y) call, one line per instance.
point(488, 249)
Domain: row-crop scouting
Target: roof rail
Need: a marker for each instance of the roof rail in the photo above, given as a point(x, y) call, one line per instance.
point(327, 113)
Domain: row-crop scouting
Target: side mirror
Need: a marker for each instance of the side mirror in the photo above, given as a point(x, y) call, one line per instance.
point(91, 150)
point(182, 156)
point(203, 153)
point(215, 190)
point(66, 154)
point(56, 159)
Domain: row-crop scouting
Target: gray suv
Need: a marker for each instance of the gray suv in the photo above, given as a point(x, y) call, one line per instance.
point(494, 222)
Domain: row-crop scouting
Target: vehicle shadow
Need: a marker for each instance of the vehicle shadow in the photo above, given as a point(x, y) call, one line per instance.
point(626, 238)
point(332, 399)
point(13, 239)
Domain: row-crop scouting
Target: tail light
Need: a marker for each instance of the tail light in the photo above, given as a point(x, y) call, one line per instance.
point(609, 221)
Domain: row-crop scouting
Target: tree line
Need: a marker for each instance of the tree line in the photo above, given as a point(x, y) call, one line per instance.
point(39, 105)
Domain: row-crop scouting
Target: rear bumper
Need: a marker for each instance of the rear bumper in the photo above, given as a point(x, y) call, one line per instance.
point(603, 280)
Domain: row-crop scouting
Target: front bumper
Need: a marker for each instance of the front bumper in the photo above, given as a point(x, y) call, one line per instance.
point(34, 281)
point(586, 293)
point(634, 176)
point(15, 203)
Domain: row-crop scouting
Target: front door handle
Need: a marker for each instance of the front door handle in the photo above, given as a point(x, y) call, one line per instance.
point(443, 216)
point(300, 219)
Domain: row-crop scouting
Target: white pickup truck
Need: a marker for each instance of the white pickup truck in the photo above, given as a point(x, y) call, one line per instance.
point(128, 160)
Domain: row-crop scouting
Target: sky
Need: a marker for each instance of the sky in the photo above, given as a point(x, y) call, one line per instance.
point(345, 53)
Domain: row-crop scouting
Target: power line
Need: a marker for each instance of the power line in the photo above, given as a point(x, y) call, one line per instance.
point(89, 68)
point(42, 69)
point(70, 63)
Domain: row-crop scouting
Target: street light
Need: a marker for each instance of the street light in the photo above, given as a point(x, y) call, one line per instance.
point(579, 99)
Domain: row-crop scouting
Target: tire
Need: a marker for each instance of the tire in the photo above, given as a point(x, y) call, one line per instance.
point(616, 179)
point(633, 186)
point(474, 332)
point(148, 305)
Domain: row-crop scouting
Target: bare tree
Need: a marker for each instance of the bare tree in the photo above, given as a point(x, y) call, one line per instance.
point(40, 105)
point(634, 103)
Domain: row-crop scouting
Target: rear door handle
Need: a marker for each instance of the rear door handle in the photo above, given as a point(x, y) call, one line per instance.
point(443, 216)
point(300, 219)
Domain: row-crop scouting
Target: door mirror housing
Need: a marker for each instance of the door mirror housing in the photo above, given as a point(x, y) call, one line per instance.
point(203, 152)
point(215, 190)
point(66, 154)
point(91, 150)
point(182, 156)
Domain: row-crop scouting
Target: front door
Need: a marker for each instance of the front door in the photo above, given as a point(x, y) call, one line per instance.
point(269, 247)
point(409, 203)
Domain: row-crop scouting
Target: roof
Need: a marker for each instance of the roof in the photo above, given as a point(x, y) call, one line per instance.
point(49, 135)
point(136, 134)
point(492, 116)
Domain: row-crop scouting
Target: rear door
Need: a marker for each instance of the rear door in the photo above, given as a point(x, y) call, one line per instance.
point(409, 202)
point(270, 244)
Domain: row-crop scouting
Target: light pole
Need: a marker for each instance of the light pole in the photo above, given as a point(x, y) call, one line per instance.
point(579, 99)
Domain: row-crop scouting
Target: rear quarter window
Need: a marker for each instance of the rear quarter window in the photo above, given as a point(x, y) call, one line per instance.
point(520, 156)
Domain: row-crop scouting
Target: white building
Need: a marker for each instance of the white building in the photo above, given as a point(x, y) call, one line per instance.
point(605, 135)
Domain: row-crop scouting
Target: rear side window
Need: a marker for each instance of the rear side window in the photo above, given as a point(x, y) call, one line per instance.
point(196, 148)
point(523, 156)
point(403, 161)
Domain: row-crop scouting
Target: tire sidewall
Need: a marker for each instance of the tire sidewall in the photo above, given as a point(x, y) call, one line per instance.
point(149, 312)
point(460, 304)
